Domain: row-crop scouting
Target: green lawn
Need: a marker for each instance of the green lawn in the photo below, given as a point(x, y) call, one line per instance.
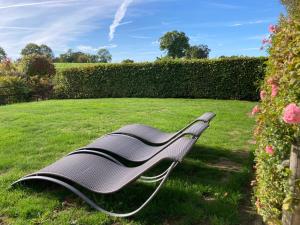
point(73, 65)
point(209, 187)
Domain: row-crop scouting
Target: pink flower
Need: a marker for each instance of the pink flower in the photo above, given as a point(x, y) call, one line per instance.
point(291, 114)
point(275, 90)
point(265, 41)
point(272, 28)
point(269, 150)
point(255, 110)
point(263, 94)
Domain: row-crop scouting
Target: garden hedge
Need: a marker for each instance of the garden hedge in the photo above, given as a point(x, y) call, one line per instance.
point(231, 78)
point(278, 117)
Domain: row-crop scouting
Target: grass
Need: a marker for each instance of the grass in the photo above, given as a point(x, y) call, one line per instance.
point(60, 66)
point(207, 188)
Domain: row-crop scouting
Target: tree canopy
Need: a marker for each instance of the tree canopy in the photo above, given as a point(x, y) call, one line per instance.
point(197, 52)
point(71, 56)
point(104, 55)
point(175, 43)
point(2, 54)
point(34, 49)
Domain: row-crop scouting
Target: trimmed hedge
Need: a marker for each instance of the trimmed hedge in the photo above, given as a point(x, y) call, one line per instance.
point(220, 78)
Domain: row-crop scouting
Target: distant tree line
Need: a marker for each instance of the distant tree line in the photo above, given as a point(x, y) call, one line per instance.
point(174, 43)
point(102, 56)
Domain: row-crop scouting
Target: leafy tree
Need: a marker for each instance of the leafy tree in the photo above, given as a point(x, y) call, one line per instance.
point(46, 51)
point(2, 54)
point(104, 56)
point(31, 49)
point(34, 49)
point(175, 43)
point(67, 57)
point(92, 58)
point(127, 61)
point(197, 52)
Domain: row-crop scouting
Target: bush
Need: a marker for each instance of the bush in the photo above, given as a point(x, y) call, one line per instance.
point(37, 65)
point(39, 71)
point(13, 89)
point(222, 79)
point(274, 134)
point(7, 68)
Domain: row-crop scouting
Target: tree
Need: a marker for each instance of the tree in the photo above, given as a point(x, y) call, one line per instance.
point(34, 49)
point(197, 52)
point(175, 43)
point(2, 54)
point(104, 55)
point(46, 51)
point(127, 61)
point(31, 49)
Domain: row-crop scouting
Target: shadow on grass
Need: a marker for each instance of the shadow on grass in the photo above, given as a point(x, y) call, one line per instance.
point(196, 191)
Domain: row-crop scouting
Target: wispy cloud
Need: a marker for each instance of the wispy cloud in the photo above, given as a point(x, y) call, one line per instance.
point(257, 37)
point(139, 37)
point(155, 43)
point(243, 23)
point(34, 4)
point(120, 14)
point(249, 49)
point(57, 23)
point(109, 46)
point(224, 5)
point(91, 49)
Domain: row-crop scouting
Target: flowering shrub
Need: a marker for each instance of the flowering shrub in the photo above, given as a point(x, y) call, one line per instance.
point(13, 89)
point(278, 117)
point(39, 71)
point(7, 68)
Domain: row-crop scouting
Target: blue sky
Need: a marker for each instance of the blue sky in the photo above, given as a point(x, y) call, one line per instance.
point(131, 28)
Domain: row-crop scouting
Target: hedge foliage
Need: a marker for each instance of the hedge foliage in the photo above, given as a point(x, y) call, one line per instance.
point(274, 134)
point(220, 79)
point(13, 89)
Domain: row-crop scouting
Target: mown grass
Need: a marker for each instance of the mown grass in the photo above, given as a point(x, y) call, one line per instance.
point(60, 66)
point(207, 188)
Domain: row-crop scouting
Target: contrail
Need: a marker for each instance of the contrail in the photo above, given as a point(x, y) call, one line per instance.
point(33, 4)
point(118, 18)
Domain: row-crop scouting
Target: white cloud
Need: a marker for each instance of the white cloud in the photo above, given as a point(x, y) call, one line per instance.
point(86, 48)
point(57, 23)
point(236, 25)
point(155, 43)
point(249, 49)
point(257, 37)
point(91, 49)
point(224, 5)
point(139, 37)
point(243, 23)
point(33, 4)
point(109, 46)
point(120, 14)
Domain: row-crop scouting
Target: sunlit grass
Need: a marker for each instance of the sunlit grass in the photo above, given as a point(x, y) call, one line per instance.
point(207, 188)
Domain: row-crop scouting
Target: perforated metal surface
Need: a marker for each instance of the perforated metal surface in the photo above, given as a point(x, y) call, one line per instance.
point(134, 149)
point(206, 117)
point(101, 175)
point(154, 136)
point(146, 133)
